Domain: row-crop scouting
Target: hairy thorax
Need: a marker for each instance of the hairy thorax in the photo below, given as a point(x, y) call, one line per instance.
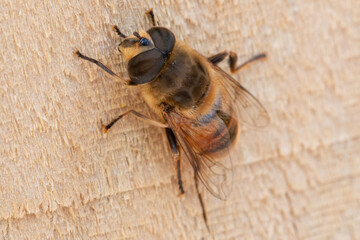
point(183, 81)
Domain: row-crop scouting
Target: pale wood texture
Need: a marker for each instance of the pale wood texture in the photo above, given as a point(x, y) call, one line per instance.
point(62, 178)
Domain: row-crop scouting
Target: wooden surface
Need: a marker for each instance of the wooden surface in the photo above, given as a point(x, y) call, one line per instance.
point(62, 178)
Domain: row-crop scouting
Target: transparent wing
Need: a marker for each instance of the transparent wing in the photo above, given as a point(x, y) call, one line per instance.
point(215, 172)
point(248, 109)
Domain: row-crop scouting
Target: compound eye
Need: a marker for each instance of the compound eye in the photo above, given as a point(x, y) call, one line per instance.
point(144, 42)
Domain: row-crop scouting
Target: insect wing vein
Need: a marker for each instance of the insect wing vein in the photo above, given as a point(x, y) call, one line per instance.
point(215, 175)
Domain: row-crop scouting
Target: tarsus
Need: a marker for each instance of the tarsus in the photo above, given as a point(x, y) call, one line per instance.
point(201, 202)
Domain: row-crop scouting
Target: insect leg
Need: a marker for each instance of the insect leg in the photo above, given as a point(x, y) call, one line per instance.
point(233, 60)
point(138, 115)
point(215, 59)
point(175, 150)
point(80, 55)
point(117, 30)
point(150, 14)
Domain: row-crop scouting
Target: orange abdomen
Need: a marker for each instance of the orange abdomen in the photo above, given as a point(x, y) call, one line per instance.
point(218, 134)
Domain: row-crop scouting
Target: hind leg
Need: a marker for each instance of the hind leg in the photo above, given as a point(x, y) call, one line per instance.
point(175, 150)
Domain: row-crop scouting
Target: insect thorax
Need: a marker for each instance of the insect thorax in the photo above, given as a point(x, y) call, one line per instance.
point(184, 79)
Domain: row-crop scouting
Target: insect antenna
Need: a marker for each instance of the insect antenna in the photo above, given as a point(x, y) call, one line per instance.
point(136, 34)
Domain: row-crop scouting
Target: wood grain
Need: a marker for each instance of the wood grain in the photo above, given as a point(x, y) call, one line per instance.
point(62, 178)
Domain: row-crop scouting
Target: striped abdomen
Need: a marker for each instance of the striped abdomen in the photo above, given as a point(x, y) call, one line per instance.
point(216, 134)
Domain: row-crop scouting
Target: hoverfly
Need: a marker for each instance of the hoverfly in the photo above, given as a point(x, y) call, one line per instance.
point(199, 104)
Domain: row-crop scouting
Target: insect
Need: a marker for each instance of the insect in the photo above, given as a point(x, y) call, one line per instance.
point(200, 105)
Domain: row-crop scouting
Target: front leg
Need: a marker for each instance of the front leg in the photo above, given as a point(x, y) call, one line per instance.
point(98, 63)
point(151, 15)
